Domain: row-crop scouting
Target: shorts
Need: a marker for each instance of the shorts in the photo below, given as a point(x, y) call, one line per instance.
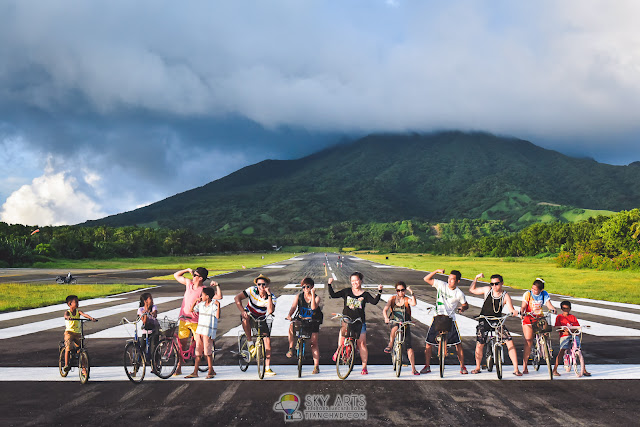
point(529, 319)
point(452, 338)
point(204, 345)
point(349, 329)
point(71, 337)
point(186, 328)
point(407, 336)
point(565, 342)
point(483, 329)
point(265, 327)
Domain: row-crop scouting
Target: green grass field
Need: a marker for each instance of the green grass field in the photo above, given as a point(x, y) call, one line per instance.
point(214, 263)
point(18, 296)
point(620, 286)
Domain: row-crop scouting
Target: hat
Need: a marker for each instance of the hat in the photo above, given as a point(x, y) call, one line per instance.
point(202, 272)
point(261, 276)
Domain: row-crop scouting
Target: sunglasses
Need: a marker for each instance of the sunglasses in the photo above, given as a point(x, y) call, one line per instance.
point(495, 283)
point(307, 287)
point(400, 290)
point(261, 284)
point(196, 275)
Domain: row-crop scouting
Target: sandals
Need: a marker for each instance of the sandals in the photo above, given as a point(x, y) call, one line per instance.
point(517, 374)
point(364, 371)
point(316, 370)
point(416, 373)
point(475, 371)
point(290, 353)
point(463, 370)
point(387, 350)
point(425, 370)
point(192, 376)
point(556, 374)
point(586, 374)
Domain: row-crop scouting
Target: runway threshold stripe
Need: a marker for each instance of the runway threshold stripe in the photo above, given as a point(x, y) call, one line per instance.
point(596, 311)
point(52, 308)
point(280, 325)
point(58, 322)
point(327, 373)
point(126, 331)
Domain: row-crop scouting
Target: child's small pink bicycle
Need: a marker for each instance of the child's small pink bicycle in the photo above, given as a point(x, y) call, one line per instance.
point(573, 356)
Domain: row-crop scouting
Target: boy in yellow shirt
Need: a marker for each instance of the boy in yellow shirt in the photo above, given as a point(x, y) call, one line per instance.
point(72, 329)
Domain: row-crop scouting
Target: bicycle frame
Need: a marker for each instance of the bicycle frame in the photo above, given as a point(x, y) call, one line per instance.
point(396, 352)
point(573, 355)
point(346, 352)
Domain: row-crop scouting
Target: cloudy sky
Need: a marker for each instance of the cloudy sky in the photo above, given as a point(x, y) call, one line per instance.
point(110, 105)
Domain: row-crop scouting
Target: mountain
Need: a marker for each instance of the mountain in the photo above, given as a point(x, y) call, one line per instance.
point(391, 177)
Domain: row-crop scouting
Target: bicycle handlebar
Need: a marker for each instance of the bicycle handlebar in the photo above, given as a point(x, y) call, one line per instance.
point(346, 319)
point(573, 330)
point(407, 322)
point(127, 321)
point(82, 320)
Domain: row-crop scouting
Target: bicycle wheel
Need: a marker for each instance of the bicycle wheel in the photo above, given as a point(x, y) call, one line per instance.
point(488, 354)
point(300, 356)
point(244, 357)
point(134, 363)
point(83, 366)
point(63, 373)
point(442, 352)
point(73, 281)
point(498, 358)
point(344, 361)
point(546, 351)
point(165, 358)
point(578, 362)
point(397, 351)
point(260, 358)
point(536, 352)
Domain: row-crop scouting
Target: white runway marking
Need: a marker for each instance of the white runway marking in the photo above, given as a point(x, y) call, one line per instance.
point(374, 286)
point(126, 331)
point(274, 266)
point(611, 303)
point(327, 373)
point(296, 259)
point(299, 286)
point(596, 311)
point(421, 313)
point(52, 308)
point(280, 325)
point(334, 276)
point(386, 266)
point(58, 322)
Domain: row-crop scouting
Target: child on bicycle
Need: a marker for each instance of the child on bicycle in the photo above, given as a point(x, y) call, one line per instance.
point(72, 327)
point(566, 319)
point(208, 314)
point(148, 313)
point(531, 311)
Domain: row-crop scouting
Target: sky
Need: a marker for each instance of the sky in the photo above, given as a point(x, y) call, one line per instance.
point(106, 106)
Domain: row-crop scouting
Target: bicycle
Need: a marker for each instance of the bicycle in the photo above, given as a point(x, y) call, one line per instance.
point(493, 349)
point(79, 355)
point(260, 327)
point(398, 342)
point(346, 351)
point(542, 349)
point(573, 356)
point(303, 333)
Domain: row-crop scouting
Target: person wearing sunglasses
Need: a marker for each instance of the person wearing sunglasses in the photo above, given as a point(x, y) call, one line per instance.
point(355, 299)
point(192, 292)
point(261, 302)
point(307, 306)
point(399, 308)
point(495, 298)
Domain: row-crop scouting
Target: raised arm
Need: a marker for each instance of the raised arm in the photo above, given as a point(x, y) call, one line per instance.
point(218, 294)
point(429, 277)
point(411, 298)
point(374, 300)
point(315, 300)
point(270, 304)
point(332, 293)
point(474, 289)
point(179, 276)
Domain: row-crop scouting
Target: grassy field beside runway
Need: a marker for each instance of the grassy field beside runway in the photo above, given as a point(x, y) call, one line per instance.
point(19, 296)
point(619, 286)
point(216, 264)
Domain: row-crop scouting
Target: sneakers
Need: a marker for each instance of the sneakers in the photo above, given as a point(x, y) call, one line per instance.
point(269, 372)
point(252, 350)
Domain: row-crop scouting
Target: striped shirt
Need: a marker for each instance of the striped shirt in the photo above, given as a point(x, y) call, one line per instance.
point(257, 305)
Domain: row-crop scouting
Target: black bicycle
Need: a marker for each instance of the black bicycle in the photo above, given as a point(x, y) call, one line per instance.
point(77, 356)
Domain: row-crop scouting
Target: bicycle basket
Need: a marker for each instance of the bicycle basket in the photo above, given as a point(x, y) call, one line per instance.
point(442, 323)
point(262, 326)
point(167, 327)
point(303, 328)
point(541, 325)
point(354, 329)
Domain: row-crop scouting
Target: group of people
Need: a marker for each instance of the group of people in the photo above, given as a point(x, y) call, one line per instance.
point(200, 312)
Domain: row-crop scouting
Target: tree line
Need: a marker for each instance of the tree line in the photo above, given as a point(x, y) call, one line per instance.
point(604, 242)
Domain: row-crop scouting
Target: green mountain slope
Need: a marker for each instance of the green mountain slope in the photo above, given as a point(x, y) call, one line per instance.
point(388, 178)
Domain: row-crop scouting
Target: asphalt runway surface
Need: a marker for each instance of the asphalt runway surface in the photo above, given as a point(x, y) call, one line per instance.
point(33, 393)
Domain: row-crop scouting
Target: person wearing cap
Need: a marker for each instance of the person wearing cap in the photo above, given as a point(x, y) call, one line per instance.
point(192, 292)
point(261, 302)
point(531, 310)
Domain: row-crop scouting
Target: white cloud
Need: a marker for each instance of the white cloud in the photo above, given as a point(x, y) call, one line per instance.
point(51, 199)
